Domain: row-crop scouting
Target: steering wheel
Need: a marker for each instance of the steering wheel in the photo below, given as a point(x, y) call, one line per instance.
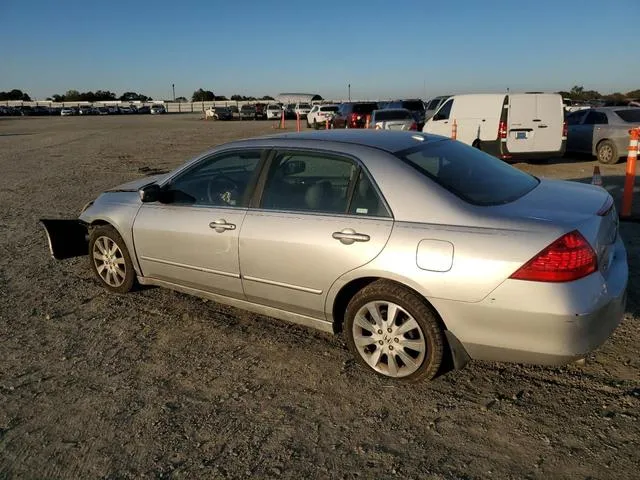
point(221, 190)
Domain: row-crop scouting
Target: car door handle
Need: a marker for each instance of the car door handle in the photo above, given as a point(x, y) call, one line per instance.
point(542, 126)
point(537, 120)
point(221, 225)
point(349, 235)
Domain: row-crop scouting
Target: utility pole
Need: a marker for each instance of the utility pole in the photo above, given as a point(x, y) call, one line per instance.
point(173, 87)
point(349, 89)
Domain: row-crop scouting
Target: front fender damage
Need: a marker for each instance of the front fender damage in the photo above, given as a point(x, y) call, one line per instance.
point(67, 238)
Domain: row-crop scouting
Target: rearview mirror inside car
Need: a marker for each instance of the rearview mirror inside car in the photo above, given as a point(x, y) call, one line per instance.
point(293, 167)
point(149, 193)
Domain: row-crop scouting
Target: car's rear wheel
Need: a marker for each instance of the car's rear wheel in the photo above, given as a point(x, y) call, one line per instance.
point(110, 260)
point(607, 152)
point(392, 331)
point(315, 124)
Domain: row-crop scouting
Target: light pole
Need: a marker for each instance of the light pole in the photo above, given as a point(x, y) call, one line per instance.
point(173, 87)
point(349, 89)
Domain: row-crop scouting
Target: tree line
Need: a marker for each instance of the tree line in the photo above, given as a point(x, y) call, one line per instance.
point(578, 93)
point(201, 95)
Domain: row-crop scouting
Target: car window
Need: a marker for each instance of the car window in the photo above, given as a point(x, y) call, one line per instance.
point(365, 200)
point(413, 105)
point(595, 118)
point(632, 115)
point(308, 182)
point(433, 104)
point(364, 108)
point(445, 110)
point(393, 115)
point(474, 176)
point(221, 180)
point(575, 118)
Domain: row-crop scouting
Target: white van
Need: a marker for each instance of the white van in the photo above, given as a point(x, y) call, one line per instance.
point(508, 126)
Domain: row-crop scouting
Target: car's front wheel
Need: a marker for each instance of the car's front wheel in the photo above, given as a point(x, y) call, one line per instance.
point(392, 331)
point(607, 152)
point(110, 260)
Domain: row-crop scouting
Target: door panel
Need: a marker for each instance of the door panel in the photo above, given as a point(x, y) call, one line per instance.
point(439, 124)
point(289, 260)
point(521, 129)
point(185, 245)
point(549, 112)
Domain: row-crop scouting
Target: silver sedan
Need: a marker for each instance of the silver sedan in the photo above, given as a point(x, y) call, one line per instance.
point(422, 250)
point(602, 132)
point(393, 119)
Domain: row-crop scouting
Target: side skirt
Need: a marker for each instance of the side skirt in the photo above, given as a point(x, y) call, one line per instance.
point(304, 320)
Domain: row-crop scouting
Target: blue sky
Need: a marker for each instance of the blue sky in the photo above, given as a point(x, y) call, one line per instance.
point(263, 47)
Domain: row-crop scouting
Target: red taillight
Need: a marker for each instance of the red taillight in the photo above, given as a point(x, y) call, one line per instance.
point(565, 129)
point(502, 130)
point(414, 126)
point(568, 258)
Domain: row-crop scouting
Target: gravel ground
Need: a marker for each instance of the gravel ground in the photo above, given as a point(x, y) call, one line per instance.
point(156, 384)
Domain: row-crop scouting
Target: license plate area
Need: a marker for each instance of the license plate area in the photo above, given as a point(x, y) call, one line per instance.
point(521, 135)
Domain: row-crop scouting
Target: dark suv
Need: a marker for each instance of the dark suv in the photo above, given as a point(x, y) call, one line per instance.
point(353, 114)
point(415, 106)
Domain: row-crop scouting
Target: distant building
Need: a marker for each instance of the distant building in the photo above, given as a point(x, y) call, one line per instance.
point(298, 97)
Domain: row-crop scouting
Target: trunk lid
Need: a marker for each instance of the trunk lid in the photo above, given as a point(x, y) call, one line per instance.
point(572, 205)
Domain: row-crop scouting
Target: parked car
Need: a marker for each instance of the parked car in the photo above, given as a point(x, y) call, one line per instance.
point(432, 106)
point(393, 119)
point(367, 218)
point(67, 112)
point(353, 114)
point(415, 106)
point(86, 110)
point(320, 115)
point(125, 110)
point(103, 111)
point(144, 109)
point(602, 132)
point(273, 111)
point(508, 126)
point(573, 105)
point(222, 113)
point(290, 111)
point(248, 112)
point(261, 111)
point(302, 109)
point(158, 109)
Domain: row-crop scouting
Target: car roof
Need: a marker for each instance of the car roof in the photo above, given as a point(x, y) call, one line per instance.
point(387, 141)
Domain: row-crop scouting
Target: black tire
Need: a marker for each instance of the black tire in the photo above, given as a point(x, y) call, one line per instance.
point(129, 277)
point(413, 304)
point(315, 124)
point(607, 153)
point(477, 144)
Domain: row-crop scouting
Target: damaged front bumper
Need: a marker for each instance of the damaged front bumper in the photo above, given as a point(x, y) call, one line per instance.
point(67, 238)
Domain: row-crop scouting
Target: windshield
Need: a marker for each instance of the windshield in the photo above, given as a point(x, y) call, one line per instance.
point(364, 108)
point(631, 115)
point(393, 115)
point(474, 176)
point(304, 105)
point(413, 105)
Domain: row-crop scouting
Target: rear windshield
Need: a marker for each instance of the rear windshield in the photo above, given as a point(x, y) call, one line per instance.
point(333, 108)
point(467, 172)
point(364, 107)
point(413, 105)
point(304, 105)
point(393, 115)
point(632, 115)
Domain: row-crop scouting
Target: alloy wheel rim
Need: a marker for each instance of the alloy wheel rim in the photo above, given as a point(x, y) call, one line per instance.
point(109, 261)
point(389, 339)
point(605, 152)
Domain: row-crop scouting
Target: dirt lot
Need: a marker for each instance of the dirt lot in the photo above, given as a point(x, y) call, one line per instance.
point(157, 384)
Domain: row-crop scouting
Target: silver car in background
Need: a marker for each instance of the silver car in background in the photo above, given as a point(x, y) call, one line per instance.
point(419, 248)
point(602, 132)
point(393, 119)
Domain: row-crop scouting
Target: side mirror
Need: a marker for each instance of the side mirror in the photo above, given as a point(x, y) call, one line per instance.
point(149, 193)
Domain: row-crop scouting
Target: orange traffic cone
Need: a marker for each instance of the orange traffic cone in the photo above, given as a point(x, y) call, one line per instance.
point(597, 178)
point(454, 130)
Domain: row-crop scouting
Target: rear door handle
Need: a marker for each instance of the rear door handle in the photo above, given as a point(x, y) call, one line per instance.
point(349, 236)
point(537, 120)
point(221, 225)
point(542, 126)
